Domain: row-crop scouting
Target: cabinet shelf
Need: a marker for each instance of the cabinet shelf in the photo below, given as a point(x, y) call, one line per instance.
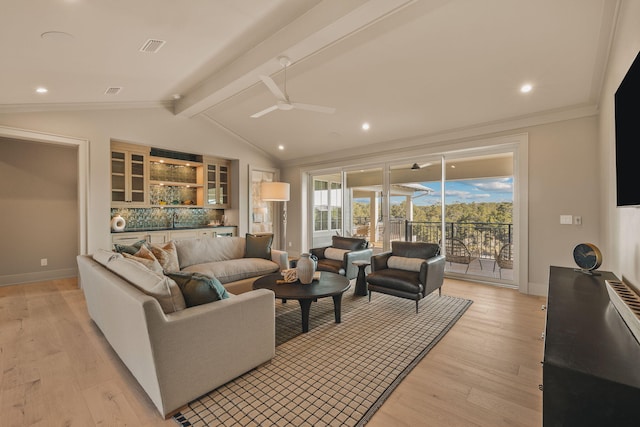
point(175, 184)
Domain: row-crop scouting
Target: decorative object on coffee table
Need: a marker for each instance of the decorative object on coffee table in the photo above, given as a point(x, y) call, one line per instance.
point(305, 269)
point(330, 285)
point(361, 281)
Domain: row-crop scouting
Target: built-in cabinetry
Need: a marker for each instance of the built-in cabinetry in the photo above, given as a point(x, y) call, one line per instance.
point(162, 236)
point(591, 366)
point(175, 182)
point(142, 178)
point(129, 175)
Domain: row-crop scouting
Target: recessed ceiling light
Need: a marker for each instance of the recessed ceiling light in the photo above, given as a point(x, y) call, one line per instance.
point(42, 90)
point(365, 126)
point(177, 96)
point(280, 147)
point(526, 88)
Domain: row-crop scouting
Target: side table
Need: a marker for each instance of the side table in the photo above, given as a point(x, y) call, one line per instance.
point(361, 281)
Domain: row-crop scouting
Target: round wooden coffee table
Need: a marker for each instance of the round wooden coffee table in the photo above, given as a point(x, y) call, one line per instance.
point(330, 285)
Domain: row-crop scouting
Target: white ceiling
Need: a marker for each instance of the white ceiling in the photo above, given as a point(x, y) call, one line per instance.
point(410, 68)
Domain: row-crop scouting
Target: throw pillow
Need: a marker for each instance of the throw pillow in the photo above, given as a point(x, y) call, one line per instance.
point(404, 263)
point(103, 257)
point(198, 288)
point(130, 249)
point(258, 246)
point(335, 254)
point(145, 257)
point(167, 256)
point(162, 288)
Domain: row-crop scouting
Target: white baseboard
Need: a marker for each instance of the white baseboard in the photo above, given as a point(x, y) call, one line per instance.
point(14, 279)
point(540, 289)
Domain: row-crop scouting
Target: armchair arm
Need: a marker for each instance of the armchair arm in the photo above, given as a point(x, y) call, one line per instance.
point(281, 258)
point(432, 273)
point(318, 252)
point(351, 271)
point(379, 262)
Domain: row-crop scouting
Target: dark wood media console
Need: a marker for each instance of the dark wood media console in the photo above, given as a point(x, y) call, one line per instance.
point(591, 367)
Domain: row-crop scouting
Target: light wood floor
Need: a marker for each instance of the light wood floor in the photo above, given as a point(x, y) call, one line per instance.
point(57, 369)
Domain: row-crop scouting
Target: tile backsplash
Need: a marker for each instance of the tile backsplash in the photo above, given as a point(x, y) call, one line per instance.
point(163, 218)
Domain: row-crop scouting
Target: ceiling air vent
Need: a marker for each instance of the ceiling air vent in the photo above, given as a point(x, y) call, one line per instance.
point(152, 46)
point(112, 90)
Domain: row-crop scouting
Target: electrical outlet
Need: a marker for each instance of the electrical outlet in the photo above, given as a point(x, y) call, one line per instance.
point(290, 244)
point(577, 220)
point(43, 262)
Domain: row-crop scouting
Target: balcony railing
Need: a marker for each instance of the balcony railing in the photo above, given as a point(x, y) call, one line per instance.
point(481, 238)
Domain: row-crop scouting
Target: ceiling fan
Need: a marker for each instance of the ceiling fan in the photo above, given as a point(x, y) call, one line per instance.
point(284, 103)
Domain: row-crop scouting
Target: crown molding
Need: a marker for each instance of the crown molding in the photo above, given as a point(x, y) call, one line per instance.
point(83, 106)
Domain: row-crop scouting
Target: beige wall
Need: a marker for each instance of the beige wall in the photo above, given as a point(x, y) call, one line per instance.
point(155, 127)
point(39, 215)
point(620, 226)
point(562, 159)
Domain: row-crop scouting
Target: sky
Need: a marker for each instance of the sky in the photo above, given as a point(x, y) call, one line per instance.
point(466, 191)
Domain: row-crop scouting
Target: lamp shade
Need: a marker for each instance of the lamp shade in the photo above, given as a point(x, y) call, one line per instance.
point(274, 191)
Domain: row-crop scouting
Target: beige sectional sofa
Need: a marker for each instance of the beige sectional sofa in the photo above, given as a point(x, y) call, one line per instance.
point(179, 353)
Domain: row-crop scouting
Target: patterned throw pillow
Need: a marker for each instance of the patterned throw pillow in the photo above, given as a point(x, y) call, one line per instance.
point(167, 256)
point(145, 257)
point(198, 288)
point(129, 249)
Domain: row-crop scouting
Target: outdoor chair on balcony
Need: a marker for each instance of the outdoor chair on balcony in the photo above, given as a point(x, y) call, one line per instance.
point(411, 270)
point(504, 258)
point(458, 253)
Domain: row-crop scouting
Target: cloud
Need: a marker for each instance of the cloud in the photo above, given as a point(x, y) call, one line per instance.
point(504, 185)
point(466, 195)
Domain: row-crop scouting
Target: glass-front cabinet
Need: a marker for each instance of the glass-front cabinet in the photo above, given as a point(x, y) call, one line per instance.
point(217, 188)
point(129, 175)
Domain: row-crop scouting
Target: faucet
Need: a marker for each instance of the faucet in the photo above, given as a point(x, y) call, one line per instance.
point(173, 219)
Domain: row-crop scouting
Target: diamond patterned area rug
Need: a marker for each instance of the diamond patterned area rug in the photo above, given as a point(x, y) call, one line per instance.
point(336, 374)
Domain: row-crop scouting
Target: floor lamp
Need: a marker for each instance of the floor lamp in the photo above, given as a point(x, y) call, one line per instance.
point(277, 192)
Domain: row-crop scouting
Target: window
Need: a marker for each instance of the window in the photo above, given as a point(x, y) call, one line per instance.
point(320, 205)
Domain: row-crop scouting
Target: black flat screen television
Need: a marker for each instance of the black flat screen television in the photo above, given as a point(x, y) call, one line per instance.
point(627, 122)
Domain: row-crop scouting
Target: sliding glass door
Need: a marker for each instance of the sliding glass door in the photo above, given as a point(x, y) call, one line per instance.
point(462, 201)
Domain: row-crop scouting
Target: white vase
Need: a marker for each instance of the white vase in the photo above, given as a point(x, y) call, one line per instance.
point(305, 269)
point(118, 223)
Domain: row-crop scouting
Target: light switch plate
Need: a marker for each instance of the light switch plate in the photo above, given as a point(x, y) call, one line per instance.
point(566, 219)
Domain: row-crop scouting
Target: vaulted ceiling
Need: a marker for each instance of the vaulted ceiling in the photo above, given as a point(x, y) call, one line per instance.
point(408, 68)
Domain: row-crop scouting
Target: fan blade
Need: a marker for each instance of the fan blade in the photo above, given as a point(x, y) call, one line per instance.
point(273, 87)
point(316, 108)
point(265, 111)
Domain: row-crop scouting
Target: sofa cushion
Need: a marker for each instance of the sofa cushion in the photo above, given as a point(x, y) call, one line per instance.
point(235, 269)
point(348, 243)
point(404, 263)
point(130, 249)
point(167, 256)
point(162, 288)
point(335, 254)
point(103, 256)
point(200, 251)
point(199, 289)
point(258, 246)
